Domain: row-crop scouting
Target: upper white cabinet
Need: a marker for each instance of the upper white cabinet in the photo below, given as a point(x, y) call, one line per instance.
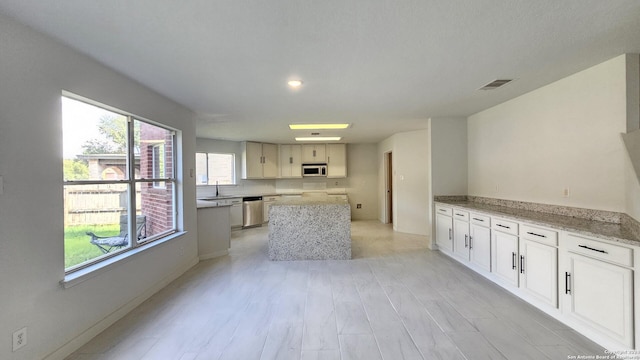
point(290, 161)
point(336, 160)
point(259, 161)
point(314, 153)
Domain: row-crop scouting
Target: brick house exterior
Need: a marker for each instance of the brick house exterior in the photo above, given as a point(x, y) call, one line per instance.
point(156, 154)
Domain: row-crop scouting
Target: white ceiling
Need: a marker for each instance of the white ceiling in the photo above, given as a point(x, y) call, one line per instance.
point(383, 65)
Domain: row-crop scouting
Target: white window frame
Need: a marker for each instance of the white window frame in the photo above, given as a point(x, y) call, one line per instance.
point(131, 181)
point(233, 169)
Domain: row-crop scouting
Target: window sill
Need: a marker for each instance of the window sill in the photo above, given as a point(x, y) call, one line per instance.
point(89, 272)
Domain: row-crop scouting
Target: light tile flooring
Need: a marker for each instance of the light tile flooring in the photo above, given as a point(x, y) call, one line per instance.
point(394, 300)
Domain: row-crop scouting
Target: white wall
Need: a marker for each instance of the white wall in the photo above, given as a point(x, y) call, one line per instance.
point(34, 70)
point(360, 183)
point(448, 156)
point(563, 135)
point(448, 144)
point(411, 156)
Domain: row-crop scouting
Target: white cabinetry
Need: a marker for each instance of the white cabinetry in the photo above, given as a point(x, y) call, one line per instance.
point(214, 232)
point(290, 161)
point(480, 242)
point(336, 160)
point(259, 161)
point(266, 204)
point(598, 289)
point(538, 264)
point(236, 212)
point(314, 153)
point(461, 234)
point(444, 228)
point(504, 243)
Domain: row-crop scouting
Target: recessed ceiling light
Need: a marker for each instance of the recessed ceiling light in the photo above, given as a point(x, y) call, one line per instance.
point(319, 138)
point(318, 126)
point(294, 83)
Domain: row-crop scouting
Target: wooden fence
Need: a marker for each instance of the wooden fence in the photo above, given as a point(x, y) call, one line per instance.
point(96, 204)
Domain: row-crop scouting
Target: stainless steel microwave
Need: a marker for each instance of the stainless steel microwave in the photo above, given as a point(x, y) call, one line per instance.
point(314, 170)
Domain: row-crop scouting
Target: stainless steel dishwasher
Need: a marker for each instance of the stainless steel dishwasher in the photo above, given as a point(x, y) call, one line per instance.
point(252, 211)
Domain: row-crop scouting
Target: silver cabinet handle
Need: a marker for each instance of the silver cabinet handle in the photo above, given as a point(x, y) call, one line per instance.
point(470, 242)
point(449, 234)
point(466, 239)
point(504, 226)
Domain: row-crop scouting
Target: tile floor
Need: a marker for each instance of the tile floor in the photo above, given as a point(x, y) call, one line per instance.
point(394, 300)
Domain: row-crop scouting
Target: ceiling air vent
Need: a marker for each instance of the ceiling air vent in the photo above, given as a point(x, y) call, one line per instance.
point(496, 84)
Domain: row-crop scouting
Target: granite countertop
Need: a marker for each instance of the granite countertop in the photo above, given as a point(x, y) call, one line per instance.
point(201, 204)
point(310, 201)
point(597, 229)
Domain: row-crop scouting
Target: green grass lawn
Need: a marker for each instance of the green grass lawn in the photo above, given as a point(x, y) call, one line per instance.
point(78, 249)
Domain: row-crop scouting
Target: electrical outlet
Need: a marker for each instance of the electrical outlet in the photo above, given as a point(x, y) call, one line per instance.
point(19, 339)
point(358, 206)
point(565, 192)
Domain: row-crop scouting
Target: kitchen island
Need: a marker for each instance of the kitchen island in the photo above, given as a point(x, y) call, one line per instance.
point(310, 229)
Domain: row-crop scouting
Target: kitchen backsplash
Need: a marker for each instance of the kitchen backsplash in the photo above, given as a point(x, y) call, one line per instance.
point(279, 186)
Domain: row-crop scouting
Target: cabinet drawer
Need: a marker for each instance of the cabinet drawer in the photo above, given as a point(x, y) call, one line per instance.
point(505, 226)
point(461, 215)
point(600, 250)
point(444, 210)
point(482, 220)
point(549, 237)
point(271, 198)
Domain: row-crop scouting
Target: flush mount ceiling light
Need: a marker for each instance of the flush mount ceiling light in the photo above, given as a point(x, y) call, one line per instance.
point(319, 138)
point(295, 83)
point(318, 126)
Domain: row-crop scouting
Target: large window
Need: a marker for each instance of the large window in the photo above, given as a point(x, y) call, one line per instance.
point(119, 182)
point(215, 168)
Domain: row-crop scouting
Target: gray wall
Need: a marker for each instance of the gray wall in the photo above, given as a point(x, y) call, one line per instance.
point(34, 69)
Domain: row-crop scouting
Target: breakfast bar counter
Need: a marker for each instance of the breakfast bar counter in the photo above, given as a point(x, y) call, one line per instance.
point(310, 229)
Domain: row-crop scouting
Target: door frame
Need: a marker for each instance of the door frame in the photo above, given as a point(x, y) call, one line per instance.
point(388, 187)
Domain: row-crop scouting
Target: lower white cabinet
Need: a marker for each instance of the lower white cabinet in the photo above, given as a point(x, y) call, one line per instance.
point(480, 246)
point(236, 212)
point(538, 265)
point(505, 257)
point(444, 232)
point(266, 204)
point(461, 238)
point(598, 295)
point(584, 282)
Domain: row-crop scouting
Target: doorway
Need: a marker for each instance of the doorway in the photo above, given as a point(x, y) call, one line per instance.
point(388, 187)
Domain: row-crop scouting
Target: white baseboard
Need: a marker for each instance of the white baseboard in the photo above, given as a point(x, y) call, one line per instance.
point(77, 342)
point(214, 255)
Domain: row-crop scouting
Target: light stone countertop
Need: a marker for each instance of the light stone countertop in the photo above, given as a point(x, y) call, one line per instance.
point(310, 201)
point(597, 229)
